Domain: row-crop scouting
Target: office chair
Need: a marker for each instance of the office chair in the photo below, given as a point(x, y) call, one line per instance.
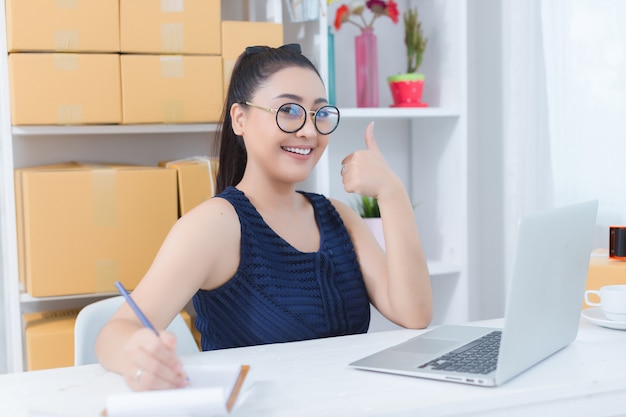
point(94, 316)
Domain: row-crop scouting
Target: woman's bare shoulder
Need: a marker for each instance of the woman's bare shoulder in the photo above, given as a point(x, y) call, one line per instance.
point(211, 210)
point(209, 235)
point(346, 212)
point(211, 218)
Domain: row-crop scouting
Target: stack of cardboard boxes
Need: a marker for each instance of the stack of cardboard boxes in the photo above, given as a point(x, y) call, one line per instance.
point(170, 60)
point(123, 61)
point(83, 226)
point(50, 86)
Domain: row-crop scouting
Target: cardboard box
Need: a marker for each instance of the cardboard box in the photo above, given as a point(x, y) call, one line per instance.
point(83, 227)
point(170, 26)
point(49, 338)
point(196, 180)
point(65, 89)
point(236, 36)
point(63, 25)
point(171, 89)
point(604, 271)
point(19, 221)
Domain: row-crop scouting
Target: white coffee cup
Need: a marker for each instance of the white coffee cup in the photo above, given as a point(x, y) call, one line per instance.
point(612, 301)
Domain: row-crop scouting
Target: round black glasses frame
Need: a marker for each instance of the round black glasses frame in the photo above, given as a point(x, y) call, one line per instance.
point(313, 114)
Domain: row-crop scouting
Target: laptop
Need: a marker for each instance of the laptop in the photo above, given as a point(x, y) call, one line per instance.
point(542, 312)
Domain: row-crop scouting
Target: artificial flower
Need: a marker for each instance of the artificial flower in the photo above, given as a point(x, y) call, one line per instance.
point(355, 14)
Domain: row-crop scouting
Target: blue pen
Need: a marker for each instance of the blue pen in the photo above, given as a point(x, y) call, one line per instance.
point(135, 308)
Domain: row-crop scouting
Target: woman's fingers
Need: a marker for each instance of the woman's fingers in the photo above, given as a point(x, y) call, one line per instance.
point(153, 363)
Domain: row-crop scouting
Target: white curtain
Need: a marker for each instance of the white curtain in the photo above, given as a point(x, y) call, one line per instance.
point(565, 109)
point(585, 43)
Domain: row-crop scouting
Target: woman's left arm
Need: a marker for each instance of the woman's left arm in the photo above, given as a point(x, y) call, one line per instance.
point(397, 280)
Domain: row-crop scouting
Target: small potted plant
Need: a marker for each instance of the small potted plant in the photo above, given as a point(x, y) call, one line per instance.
point(406, 89)
point(368, 209)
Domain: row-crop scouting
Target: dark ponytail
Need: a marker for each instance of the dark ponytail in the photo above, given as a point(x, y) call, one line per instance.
point(253, 67)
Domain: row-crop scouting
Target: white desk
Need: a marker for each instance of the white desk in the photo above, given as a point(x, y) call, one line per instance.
point(587, 378)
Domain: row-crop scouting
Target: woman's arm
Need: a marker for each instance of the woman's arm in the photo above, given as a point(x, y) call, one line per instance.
point(397, 280)
point(190, 258)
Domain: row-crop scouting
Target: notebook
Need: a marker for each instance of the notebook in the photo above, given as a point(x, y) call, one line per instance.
point(542, 310)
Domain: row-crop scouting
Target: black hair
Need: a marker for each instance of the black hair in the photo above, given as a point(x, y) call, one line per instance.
point(253, 67)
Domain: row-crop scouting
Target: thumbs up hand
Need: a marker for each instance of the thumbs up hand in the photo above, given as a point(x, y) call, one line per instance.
point(366, 171)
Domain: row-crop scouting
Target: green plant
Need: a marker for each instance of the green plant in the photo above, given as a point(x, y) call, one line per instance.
point(414, 39)
point(367, 207)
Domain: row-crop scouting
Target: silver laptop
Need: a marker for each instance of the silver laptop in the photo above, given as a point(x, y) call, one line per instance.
point(542, 311)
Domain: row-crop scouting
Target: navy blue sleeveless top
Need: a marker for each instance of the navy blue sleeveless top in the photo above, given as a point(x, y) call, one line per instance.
point(280, 294)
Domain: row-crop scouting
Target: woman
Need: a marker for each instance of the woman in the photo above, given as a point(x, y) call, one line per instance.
point(263, 262)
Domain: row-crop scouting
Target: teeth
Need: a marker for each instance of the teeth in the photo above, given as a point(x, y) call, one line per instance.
point(298, 150)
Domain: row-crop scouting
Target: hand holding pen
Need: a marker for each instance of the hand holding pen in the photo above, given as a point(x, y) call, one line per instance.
point(137, 379)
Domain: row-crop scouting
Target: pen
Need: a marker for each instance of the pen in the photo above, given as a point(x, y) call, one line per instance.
point(135, 307)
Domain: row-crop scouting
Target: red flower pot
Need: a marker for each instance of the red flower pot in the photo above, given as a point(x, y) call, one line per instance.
point(406, 90)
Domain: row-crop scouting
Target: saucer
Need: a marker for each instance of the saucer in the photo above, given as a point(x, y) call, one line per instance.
point(596, 316)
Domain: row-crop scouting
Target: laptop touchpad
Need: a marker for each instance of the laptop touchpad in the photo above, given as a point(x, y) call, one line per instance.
point(426, 345)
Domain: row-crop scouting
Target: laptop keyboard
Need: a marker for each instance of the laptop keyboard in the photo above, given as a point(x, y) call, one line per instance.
point(477, 357)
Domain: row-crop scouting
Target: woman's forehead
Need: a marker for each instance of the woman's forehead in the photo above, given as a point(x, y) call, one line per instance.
point(297, 81)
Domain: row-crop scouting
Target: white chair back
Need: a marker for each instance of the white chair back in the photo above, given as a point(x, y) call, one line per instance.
point(94, 316)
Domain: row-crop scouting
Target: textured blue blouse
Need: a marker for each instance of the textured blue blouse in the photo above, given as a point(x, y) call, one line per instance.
point(280, 294)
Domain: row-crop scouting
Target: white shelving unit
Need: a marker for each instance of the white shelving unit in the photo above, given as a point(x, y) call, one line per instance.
point(426, 146)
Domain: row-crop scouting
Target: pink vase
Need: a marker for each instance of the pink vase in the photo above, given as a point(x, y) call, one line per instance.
point(366, 53)
point(376, 226)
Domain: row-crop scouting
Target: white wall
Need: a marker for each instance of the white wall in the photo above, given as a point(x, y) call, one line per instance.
point(3, 330)
point(486, 190)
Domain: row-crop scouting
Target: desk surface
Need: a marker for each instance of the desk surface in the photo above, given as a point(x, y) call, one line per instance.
point(311, 378)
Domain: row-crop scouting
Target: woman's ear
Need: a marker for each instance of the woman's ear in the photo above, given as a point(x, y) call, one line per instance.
point(238, 118)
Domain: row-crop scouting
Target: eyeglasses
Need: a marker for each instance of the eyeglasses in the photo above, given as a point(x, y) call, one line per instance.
point(291, 117)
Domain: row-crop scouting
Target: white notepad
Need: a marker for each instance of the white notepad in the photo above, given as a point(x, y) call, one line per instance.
point(213, 391)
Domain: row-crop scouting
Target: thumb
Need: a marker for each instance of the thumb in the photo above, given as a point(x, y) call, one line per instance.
point(370, 142)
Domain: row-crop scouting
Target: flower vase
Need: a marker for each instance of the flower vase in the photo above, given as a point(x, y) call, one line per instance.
point(375, 224)
point(366, 54)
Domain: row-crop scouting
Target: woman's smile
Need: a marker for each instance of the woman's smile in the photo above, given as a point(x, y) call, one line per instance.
point(298, 150)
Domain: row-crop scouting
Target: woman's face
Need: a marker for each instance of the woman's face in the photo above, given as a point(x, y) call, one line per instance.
point(272, 153)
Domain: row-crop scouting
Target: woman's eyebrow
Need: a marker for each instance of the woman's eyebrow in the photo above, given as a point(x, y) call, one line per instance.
point(297, 98)
point(289, 96)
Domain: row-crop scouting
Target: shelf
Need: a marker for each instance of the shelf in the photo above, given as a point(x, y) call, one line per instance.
point(437, 268)
point(346, 113)
point(26, 298)
point(111, 129)
point(32, 304)
point(396, 113)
